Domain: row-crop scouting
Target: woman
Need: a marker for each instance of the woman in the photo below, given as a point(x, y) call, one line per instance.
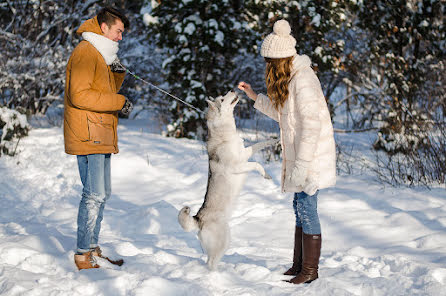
point(295, 99)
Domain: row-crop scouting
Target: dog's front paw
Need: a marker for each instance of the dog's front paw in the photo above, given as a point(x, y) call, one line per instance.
point(185, 210)
point(267, 176)
point(274, 141)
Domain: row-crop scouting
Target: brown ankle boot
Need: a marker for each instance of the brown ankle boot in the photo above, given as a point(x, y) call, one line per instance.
point(297, 257)
point(310, 259)
point(85, 261)
point(98, 253)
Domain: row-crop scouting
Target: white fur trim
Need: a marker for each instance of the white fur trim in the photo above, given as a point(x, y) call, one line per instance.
point(106, 47)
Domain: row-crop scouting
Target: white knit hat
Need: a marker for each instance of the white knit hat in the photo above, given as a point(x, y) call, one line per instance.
point(280, 43)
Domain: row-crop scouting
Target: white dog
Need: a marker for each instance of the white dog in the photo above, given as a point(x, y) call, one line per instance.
point(228, 165)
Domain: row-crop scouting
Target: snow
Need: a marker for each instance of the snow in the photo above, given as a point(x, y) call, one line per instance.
point(340, 43)
point(236, 25)
point(376, 240)
point(219, 37)
point(195, 84)
point(194, 18)
point(212, 23)
point(11, 119)
point(182, 39)
point(424, 23)
point(190, 29)
point(148, 19)
point(316, 20)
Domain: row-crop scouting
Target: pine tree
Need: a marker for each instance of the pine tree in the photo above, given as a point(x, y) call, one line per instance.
point(202, 39)
point(406, 47)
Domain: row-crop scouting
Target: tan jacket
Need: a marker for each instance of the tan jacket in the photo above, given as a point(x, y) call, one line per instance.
point(91, 100)
point(306, 132)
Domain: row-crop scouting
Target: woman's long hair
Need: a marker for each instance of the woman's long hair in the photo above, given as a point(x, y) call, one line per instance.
point(277, 76)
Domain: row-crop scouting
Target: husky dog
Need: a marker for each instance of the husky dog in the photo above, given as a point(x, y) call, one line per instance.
point(228, 165)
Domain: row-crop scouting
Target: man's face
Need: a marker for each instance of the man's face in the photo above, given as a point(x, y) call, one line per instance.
point(114, 32)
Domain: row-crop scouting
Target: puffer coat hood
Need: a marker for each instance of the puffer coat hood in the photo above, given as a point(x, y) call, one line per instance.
point(306, 131)
point(91, 100)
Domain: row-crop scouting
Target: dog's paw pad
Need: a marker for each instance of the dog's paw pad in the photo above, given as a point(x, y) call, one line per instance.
point(186, 210)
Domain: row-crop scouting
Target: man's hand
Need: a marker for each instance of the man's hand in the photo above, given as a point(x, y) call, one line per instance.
point(117, 67)
point(127, 108)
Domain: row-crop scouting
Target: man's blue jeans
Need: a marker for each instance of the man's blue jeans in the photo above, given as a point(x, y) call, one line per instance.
point(94, 170)
point(305, 209)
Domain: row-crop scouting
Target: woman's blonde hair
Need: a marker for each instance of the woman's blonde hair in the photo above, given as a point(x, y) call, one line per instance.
point(277, 76)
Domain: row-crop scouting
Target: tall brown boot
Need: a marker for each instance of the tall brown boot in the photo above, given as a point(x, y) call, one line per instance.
point(297, 257)
point(310, 259)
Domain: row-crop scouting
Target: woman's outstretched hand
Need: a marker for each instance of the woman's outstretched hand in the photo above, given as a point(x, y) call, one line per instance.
point(248, 90)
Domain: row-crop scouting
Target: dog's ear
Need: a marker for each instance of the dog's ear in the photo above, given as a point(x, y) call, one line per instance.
point(211, 104)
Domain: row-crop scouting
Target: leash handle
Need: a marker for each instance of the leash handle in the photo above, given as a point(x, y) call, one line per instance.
point(162, 90)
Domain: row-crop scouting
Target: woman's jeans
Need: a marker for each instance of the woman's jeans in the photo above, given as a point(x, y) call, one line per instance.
point(305, 209)
point(94, 170)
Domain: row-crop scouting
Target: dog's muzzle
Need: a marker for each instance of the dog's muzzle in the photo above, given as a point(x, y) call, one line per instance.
point(236, 97)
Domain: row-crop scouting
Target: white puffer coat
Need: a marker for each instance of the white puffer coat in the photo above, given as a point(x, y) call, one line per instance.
point(306, 131)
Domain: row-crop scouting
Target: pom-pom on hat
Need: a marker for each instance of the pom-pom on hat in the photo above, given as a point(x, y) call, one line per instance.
point(280, 43)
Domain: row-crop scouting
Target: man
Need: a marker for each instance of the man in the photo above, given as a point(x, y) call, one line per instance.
point(93, 78)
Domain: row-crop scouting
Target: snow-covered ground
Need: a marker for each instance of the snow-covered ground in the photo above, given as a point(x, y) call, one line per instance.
point(376, 240)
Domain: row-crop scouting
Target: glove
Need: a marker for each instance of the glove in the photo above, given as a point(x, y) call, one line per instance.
point(299, 173)
point(127, 108)
point(117, 67)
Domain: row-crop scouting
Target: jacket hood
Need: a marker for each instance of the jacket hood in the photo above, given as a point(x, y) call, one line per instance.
point(90, 25)
point(299, 62)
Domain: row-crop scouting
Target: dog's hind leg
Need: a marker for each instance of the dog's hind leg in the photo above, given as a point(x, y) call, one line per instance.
point(214, 238)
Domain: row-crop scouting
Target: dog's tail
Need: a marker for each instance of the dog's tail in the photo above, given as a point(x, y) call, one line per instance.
point(186, 221)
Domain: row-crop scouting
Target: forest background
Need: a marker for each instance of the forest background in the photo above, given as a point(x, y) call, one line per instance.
point(381, 65)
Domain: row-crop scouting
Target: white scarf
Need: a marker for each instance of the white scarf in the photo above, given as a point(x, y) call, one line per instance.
point(106, 47)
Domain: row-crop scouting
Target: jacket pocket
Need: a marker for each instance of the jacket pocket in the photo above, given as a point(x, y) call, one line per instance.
point(100, 129)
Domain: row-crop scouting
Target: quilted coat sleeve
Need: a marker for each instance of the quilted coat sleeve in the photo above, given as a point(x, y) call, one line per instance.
point(82, 93)
point(264, 105)
point(307, 114)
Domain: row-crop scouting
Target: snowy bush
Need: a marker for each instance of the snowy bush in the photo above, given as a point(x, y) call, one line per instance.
point(35, 76)
point(406, 45)
point(13, 126)
point(35, 45)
